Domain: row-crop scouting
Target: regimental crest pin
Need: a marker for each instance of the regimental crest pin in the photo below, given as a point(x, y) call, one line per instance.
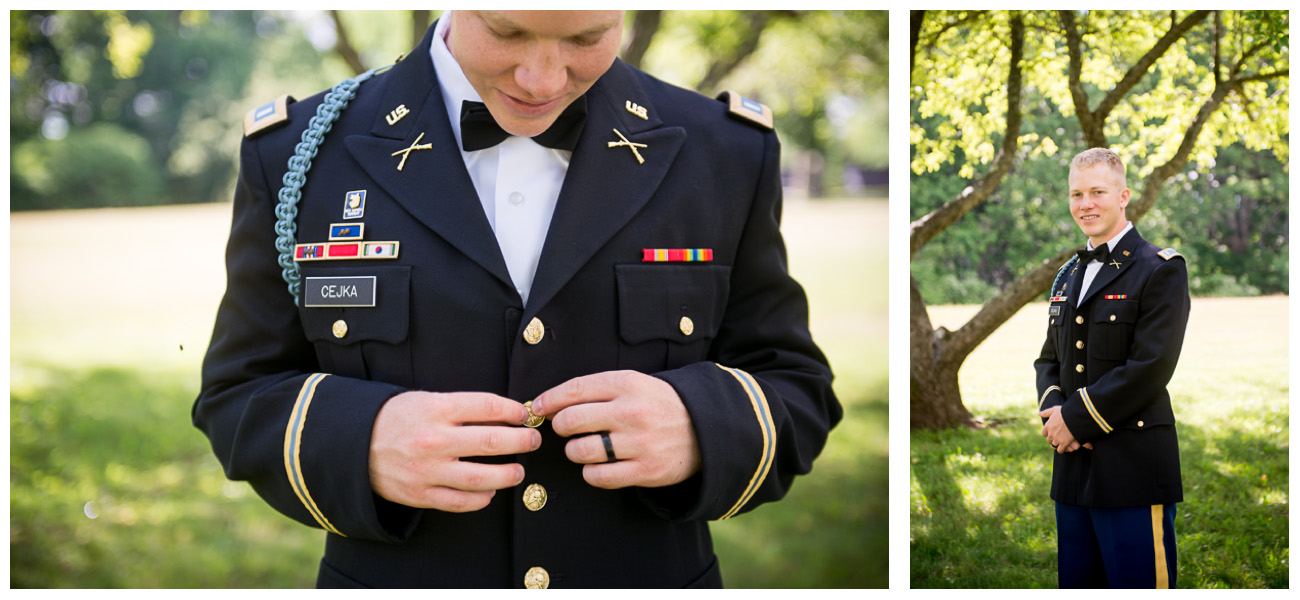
point(354, 204)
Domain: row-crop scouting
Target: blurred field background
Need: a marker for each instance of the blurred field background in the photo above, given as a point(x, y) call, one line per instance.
point(980, 512)
point(110, 485)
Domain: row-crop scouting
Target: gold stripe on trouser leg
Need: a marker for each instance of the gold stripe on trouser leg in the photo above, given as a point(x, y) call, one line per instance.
point(1158, 535)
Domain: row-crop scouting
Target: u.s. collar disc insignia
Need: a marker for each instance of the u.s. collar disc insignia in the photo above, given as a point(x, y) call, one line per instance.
point(354, 204)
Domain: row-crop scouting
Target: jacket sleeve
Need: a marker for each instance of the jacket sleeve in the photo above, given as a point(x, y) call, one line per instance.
point(1047, 369)
point(1157, 341)
point(763, 407)
point(301, 438)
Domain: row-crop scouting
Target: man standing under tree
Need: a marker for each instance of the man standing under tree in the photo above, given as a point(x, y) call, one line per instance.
point(526, 323)
point(1116, 321)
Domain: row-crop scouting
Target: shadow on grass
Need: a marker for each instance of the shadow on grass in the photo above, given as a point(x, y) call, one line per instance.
point(981, 516)
point(112, 487)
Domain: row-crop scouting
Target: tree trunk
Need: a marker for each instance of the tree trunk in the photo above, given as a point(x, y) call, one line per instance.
point(419, 25)
point(645, 24)
point(935, 395)
point(344, 46)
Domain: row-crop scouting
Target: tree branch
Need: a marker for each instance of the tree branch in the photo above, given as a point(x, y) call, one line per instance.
point(1092, 129)
point(1155, 181)
point(645, 24)
point(970, 16)
point(925, 228)
point(996, 311)
point(344, 47)
point(758, 21)
point(918, 20)
point(1262, 76)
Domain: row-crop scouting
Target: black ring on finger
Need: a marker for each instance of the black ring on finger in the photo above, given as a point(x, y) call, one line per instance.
point(609, 446)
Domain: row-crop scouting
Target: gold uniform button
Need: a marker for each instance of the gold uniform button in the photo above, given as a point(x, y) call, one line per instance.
point(1112, 318)
point(534, 497)
point(1139, 423)
point(534, 332)
point(687, 326)
point(1079, 320)
point(1079, 344)
point(533, 420)
point(1078, 368)
point(537, 579)
point(340, 328)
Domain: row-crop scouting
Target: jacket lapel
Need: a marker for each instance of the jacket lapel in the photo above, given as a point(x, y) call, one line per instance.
point(433, 184)
point(1109, 271)
point(605, 186)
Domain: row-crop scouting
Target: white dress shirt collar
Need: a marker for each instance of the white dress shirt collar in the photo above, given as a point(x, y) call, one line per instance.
point(455, 87)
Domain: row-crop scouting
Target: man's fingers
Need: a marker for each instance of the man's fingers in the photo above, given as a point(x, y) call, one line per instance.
point(585, 418)
point(611, 476)
point(478, 477)
point(477, 407)
point(597, 387)
point(457, 501)
point(590, 449)
point(487, 440)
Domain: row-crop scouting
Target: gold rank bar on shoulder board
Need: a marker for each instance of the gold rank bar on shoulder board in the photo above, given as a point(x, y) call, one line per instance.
point(345, 251)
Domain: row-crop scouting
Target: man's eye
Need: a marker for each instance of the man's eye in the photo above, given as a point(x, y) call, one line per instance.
point(590, 40)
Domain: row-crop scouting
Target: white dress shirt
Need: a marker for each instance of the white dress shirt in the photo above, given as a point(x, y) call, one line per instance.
point(518, 181)
point(1090, 271)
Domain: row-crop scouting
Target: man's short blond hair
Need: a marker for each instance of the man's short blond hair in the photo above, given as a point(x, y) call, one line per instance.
point(1093, 157)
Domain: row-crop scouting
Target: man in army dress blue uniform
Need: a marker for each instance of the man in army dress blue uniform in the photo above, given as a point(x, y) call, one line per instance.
point(512, 313)
point(1116, 321)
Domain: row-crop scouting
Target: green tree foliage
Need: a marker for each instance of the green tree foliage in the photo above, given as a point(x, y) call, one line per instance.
point(112, 108)
point(181, 82)
point(823, 73)
point(1227, 210)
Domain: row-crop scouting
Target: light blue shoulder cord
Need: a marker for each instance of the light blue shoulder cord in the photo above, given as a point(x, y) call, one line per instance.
point(286, 212)
point(1052, 292)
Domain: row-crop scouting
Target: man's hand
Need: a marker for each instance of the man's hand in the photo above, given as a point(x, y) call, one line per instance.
point(1057, 433)
point(419, 438)
point(648, 426)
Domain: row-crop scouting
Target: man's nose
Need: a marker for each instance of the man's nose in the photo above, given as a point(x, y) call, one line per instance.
point(542, 73)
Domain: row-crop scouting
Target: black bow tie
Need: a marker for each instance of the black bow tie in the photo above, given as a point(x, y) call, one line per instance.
point(1099, 255)
point(478, 130)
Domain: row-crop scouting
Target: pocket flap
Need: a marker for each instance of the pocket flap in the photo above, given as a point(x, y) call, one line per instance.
point(1115, 311)
point(387, 321)
point(681, 303)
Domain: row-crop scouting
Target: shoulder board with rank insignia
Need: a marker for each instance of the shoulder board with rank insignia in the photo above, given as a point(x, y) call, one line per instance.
point(267, 116)
point(1169, 253)
point(747, 110)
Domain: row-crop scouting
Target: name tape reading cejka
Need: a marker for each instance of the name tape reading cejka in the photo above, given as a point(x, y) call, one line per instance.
point(358, 291)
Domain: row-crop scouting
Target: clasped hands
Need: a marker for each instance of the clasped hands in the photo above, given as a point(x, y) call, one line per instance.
point(419, 439)
point(1058, 434)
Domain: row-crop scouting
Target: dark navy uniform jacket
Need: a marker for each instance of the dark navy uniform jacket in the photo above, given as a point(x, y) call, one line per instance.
point(288, 404)
point(1107, 363)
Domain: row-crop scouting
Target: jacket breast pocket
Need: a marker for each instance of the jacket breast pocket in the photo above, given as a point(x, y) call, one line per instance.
point(358, 319)
point(1111, 334)
point(668, 314)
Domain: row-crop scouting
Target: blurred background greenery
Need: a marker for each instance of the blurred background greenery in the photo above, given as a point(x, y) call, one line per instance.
point(137, 115)
point(126, 108)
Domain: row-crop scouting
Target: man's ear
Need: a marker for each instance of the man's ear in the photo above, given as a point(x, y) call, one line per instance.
point(1123, 198)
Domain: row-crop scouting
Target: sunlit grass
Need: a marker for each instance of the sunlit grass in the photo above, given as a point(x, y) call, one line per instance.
point(979, 506)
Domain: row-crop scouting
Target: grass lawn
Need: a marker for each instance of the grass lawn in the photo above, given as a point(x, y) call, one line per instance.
point(110, 485)
point(980, 512)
